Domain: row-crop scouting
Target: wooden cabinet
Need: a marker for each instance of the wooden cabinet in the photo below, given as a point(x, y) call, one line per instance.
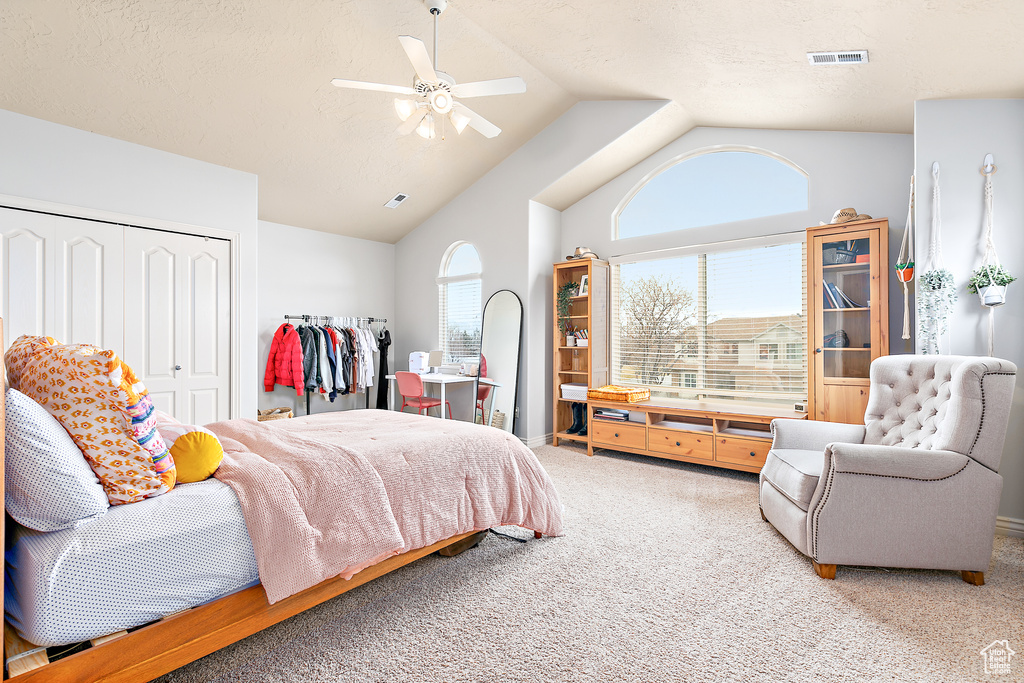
point(618, 434)
point(676, 442)
point(719, 434)
point(848, 315)
point(579, 364)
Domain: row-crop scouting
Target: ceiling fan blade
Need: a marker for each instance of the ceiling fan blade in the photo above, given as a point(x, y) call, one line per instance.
point(482, 125)
point(417, 53)
point(409, 125)
point(498, 86)
point(363, 85)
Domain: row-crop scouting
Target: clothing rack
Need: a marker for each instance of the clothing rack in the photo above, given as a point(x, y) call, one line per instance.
point(312, 318)
point(316, 320)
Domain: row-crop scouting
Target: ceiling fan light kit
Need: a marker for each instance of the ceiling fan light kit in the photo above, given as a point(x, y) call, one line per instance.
point(435, 93)
point(426, 129)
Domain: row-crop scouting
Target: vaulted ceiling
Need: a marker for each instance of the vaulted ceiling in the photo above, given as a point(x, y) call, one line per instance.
point(246, 83)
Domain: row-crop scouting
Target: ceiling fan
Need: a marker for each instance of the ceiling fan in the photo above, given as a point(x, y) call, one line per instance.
point(433, 93)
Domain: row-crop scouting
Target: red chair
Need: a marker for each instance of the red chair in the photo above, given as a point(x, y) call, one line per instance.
point(484, 390)
point(410, 386)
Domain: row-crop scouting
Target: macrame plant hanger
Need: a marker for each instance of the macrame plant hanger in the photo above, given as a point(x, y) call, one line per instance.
point(936, 294)
point(991, 271)
point(905, 261)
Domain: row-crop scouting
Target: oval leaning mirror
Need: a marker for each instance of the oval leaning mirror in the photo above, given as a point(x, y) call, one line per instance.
point(499, 359)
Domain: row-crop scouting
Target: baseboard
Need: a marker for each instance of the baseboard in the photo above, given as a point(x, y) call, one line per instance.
point(538, 441)
point(1009, 526)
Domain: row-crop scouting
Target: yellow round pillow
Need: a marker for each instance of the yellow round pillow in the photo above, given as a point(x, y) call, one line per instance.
point(198, 448)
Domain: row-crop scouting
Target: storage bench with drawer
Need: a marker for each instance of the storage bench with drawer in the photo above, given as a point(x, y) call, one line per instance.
point(732, 436)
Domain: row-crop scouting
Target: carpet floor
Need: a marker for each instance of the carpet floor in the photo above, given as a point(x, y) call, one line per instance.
point(666, 572)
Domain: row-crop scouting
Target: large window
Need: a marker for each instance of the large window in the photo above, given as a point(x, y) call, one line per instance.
point(459, 312)
point(712, 187)
point(719, 321)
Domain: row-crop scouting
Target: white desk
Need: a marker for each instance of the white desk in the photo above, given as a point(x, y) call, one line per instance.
point(442, 380)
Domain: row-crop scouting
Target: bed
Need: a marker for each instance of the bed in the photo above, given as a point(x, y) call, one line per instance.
point(64, 586)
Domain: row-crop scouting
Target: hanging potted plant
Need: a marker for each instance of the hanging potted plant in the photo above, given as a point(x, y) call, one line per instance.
point(989, 283)
point(563, 304)
point(936, 292)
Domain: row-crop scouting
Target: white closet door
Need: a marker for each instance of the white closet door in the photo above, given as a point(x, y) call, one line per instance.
point(62, 277)
point(89, 286)
point(27, 261)
point(177, 309)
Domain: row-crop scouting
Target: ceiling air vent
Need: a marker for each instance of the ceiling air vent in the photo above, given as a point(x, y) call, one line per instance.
point(842, 57)
point(396, 200)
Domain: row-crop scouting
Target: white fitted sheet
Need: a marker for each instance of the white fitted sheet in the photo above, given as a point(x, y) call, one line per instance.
point(133, 565)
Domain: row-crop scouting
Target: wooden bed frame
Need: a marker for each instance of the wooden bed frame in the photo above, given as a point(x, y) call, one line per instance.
point(176, 640)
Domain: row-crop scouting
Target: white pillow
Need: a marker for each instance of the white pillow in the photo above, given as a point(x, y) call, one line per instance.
point(48, 483)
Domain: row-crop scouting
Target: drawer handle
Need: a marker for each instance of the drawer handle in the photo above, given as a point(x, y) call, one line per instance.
point(616, 434)
point(678, 444)
point(753, 454)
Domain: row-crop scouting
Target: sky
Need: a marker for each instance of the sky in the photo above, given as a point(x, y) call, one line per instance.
point(766, 281)
point(713, 188)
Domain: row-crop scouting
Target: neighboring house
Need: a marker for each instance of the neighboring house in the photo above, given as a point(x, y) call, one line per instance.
point(763, 354)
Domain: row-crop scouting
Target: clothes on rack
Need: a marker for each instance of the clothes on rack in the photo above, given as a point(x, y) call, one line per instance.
point(284, 365)
point(383, 342)
point(367, 344)
point(331, 359)
point(309, 357)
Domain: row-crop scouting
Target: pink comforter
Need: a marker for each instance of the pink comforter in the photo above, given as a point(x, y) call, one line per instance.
point(331, 494)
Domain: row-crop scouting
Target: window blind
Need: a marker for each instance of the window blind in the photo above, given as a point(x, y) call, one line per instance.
point(722, 322)
point(459, 324)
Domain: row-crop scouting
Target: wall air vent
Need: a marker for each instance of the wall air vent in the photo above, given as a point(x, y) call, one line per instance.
point(841, 57)
point(396, 200)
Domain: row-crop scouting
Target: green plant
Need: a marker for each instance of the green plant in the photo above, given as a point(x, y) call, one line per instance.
point(563, 303)
point(988, 276)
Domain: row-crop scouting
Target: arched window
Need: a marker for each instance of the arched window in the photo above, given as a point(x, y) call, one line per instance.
point(711, 187)
point(458, 287)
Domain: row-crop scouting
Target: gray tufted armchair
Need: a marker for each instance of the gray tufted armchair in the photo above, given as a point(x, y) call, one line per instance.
point(916, 486)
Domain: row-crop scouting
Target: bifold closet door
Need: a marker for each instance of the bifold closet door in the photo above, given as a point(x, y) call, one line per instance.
point(177, 304)
point(62, 277)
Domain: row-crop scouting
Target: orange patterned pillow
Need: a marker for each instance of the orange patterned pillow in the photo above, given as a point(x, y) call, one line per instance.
point(107, 411)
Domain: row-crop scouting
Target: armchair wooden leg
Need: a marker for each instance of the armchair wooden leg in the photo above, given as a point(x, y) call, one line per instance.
point(973, 578)
point(826, 571)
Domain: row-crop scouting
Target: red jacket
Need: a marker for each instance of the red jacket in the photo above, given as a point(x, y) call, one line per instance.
point(284, 364)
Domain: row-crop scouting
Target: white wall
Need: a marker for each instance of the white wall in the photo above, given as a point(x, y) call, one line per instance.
point(545, 235)
point(309, 272)
point(494, 215)
point(867, 171)
point(53, 163)
point(958, 134)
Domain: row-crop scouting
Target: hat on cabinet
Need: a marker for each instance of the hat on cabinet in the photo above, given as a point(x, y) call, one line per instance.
point(581, 253)
point(848, 215)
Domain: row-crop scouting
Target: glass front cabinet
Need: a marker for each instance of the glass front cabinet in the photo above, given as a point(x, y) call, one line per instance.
point(848, 295)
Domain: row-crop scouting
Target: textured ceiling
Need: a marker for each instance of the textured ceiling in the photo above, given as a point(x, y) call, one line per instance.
point(245, 83)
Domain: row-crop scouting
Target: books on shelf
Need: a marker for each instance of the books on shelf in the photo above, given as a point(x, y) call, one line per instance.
point(611, 414)
point(837, 298)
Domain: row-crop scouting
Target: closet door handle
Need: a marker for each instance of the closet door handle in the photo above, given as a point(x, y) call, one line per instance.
point(177, 367)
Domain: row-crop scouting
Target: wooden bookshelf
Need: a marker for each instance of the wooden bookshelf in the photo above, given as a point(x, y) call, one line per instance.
point(579, 364)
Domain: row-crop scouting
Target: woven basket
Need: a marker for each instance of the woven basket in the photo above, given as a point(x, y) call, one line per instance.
point(274, 414)
point(611, 392)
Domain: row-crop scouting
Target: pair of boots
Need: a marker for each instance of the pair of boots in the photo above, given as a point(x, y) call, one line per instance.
point(579, 419)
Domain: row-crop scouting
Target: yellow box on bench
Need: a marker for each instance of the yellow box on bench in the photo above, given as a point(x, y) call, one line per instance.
point(612, 392)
